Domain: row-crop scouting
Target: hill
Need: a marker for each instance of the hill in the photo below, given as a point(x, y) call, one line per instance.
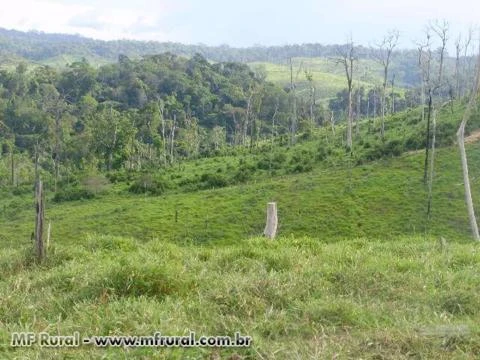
point(61, 49)
point(155, 207)
point(322, 193)
point(364, 282)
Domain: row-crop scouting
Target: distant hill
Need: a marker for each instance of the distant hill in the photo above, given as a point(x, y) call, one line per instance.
point(60, 49)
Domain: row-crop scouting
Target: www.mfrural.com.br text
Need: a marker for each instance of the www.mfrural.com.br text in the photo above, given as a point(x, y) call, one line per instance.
point(44, 339)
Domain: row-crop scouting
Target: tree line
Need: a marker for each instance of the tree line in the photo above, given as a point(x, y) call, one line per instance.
point(136, 114)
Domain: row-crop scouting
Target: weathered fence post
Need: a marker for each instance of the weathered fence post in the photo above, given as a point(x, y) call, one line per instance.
point(272, 221)
point(39, 207)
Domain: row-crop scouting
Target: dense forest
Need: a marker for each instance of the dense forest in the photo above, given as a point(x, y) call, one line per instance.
point(136, 114)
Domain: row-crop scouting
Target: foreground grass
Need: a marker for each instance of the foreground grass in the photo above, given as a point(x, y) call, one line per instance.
point(297, 297)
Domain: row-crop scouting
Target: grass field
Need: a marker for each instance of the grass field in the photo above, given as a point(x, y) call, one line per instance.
point(328, 76)
point(297, 297)
point(353, 275)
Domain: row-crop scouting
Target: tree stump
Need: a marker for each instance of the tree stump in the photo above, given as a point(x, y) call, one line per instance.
point(272, 221)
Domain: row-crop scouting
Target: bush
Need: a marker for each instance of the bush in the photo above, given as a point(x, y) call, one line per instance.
point(119, 176)
point(271, 161)
point(393, 148)
point(209, 181)
point(148, 184)
point(72, 194)
point(22, 189)
point(243, 174)
point(301, 161)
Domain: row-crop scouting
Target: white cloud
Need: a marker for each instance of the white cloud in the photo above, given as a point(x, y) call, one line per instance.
point(98, 20)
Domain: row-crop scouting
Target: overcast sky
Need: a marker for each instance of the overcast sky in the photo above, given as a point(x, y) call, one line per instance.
point(240, 22)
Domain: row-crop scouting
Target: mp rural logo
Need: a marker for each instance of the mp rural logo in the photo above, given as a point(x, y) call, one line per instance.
point(44, 339)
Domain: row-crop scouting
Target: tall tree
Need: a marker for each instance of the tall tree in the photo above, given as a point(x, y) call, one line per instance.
point(55, 104)
point(424, 61)
point(293, 95)
point(346, 57)
point(384, 56)
point(461, 144)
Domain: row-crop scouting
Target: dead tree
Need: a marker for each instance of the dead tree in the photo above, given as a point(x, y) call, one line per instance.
point(293, 126)
point(431, 171)
point(309, 77)
point(441, 29)
point(424, 61)
point(461, 144)
point(39, 219)
point(458, 49)
point(384, 56)
point(346, 57)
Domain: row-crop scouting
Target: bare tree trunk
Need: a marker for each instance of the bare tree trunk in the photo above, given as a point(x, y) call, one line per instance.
point(427, 140)
point(384, 100)
point(385, 49)
point(312, 104)
point(294, 105)
point(463, 153)
point(357, 117)
point(172, 137)
point(431, 171)
point(393, 94)
point(164, 140)
point(350, 119)
point(273, 123)
point(332, 122)
point(422, 97)
point(466, 181)
point(12, 166)
point(39, 204)
point(458, 49)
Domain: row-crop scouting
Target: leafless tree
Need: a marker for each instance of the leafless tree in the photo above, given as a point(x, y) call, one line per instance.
point(440, 28)
point(461, 144)
point(458, 49)
point(309, 77)
point(424, 61)
point(467, 64)
point(346, 57)
point(293, 127)
point(384, 57)
point(432, 170)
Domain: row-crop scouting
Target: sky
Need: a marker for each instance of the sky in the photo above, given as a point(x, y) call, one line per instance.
point(241, 23)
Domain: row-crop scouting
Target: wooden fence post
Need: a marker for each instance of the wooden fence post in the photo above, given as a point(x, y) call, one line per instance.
point(272, 221)
point(39, 207)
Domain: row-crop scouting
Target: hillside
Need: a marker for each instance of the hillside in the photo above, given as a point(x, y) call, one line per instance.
point(375, 193)
point(62, 49)
point(157, 170)
point(353, 273)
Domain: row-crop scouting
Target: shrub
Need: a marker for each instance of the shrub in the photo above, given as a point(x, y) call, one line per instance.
point(243, 174)
point(72, 193)
point(216, 180)
point(301, 161)
point(271, 161)
point(148, 184)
